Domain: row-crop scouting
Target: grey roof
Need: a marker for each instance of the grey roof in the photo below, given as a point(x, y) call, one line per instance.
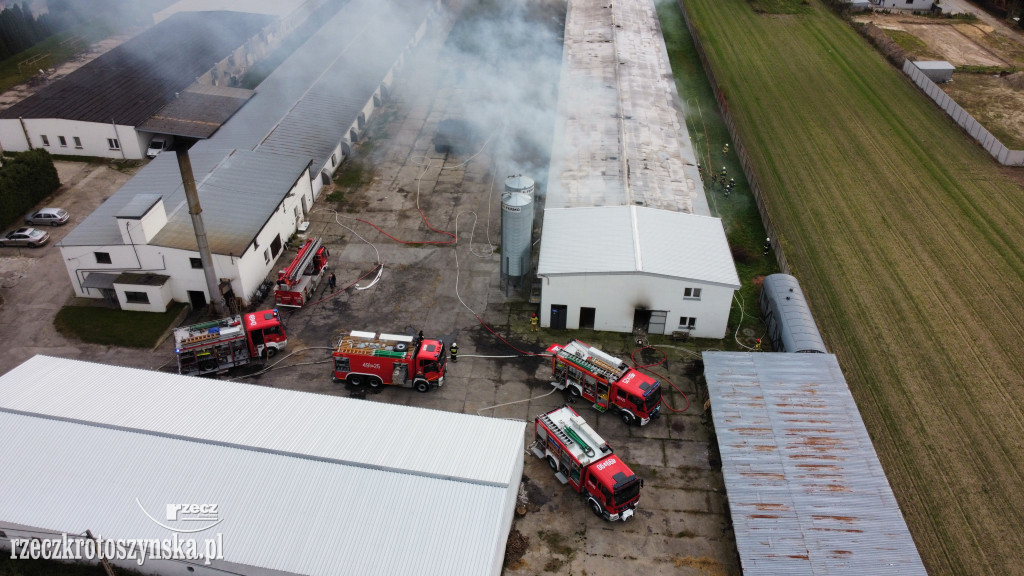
point(619, 138)
point(934, 65)
point(142, 279)
point(305, 495)
point(138, 206)
point(806, 491)
point(198, 111)
point(297, 116)
point(632, 239)
point(797, 330)
point(99, 280)
point(133, 81)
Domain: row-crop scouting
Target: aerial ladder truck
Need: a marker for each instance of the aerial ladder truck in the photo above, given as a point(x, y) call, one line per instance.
point(296, 283)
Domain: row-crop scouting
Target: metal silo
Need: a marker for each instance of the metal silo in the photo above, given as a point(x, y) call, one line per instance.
point(516, 227)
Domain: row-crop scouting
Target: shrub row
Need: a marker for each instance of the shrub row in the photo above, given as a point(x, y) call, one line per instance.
point(26, 178)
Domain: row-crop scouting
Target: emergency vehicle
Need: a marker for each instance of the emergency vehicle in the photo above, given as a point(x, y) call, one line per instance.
point(581, 459)
point(606, 381)
point(228, 342)
point(390, 360)
point(296, 283)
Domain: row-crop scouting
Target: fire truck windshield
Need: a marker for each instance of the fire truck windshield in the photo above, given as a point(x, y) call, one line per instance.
point(628, 492)
point(652, 399)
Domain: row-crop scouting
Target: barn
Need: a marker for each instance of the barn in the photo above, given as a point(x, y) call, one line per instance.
point(281, 482)
point(628, 241)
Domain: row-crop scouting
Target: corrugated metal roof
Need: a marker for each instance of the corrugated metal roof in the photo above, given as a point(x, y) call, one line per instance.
point(297, 115)
point(198, 111)
point(619, 139)
point(806, 491)
point(274, 7)
point(138, 206)
point(632, 239)
point(356, 432)
point(134, 80)
point(294, 514)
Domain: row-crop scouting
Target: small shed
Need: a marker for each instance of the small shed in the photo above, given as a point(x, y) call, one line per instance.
point(936, 70)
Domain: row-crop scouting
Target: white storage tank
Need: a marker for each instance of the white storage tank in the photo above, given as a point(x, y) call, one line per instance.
point(516, 226)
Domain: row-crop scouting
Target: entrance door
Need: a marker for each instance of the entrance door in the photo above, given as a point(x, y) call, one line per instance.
point(587, 318)
point(558, 313)
point(657, 322)
point(197, 299)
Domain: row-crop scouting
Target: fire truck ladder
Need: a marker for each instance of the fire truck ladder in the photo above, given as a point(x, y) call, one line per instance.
point(588, 366)
point(302, 259)
point(556, 430)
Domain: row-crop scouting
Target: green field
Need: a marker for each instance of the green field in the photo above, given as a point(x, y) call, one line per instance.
point(906, 237)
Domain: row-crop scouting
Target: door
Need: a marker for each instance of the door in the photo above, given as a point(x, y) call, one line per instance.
point(197, 299)
point(656, 325)
point(558, 313)
point(587, 318)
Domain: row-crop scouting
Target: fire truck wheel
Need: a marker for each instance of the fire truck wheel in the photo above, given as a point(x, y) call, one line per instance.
point(270, 352)
point(375, 382)
point(422, 386)
point(574, 392)
point(627, 418)
point(596, 508)
point(355, 380)
point(552, 463)
point(208, 364)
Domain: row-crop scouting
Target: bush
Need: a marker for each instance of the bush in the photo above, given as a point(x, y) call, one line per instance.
point(26, 178)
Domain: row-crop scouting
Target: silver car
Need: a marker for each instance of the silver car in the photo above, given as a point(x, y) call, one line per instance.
point(48, 217)
point(25, 237)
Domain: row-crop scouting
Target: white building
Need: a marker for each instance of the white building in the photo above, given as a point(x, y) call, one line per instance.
point(301, 483)
point(628, 240)
point(257, 175)
point(613, 267)
point(904, 4)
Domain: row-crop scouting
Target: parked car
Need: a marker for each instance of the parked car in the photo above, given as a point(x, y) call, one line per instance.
point(158, 144)
point(48, 217)
point(25, 237)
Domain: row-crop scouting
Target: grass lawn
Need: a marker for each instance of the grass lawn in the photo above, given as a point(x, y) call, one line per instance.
point(100, 325)
point(11, 76)
point(906, 238)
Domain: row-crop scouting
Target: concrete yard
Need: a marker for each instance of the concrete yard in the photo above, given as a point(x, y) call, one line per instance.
point(681, 526)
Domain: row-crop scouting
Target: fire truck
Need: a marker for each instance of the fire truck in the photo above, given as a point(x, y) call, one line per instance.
point(221, 344)
point(390, 360)
point(581, 459)
point(606, 381)
point(296, 283)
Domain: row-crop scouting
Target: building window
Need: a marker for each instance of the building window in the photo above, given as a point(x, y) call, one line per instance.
point(78, 142)
point(687, 322)
point(691, 293)
point(46, 141)
point(63, 141)
point(136, 297)
point(102, 257)
point(266, 255)
point(196, 262)
point(113, 144)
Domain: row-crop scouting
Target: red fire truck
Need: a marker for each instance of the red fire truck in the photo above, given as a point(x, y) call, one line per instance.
point(296, 283)
point(222, 344)
point(391, 360)
point(581, 459)
point(606, 381)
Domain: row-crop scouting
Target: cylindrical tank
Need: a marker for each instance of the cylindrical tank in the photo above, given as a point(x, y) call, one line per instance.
point(516, 226)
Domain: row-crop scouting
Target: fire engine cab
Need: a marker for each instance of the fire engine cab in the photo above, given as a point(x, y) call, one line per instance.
point(390, 359)
point(296, 283)
point(228, 342)
point(581, 459)
point(606, 381)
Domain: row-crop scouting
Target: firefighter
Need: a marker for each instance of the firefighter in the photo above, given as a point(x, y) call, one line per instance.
point(725, 149)
point(454, 350)
point(534, 322)
point(724, 172)
point(767, 245)
point(331, 281)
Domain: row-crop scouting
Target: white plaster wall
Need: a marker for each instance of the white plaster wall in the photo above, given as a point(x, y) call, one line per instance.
point(159, 297)
point(908, 4)
point(93, 136)
point(616, 296)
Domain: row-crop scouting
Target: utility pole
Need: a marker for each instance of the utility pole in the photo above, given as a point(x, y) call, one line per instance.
point(196, 212)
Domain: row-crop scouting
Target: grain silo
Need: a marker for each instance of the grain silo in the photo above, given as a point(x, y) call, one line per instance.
point(516, 227)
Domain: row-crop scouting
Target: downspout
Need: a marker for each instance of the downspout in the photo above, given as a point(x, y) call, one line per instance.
point(118, 137)
point(25, 130)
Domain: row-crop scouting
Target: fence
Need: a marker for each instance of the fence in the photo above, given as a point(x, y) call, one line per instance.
point(997, 149)
point(741, 151)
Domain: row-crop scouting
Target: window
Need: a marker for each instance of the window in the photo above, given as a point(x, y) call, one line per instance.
point(78, 142)
point(136, 297)
point(275, 246)
point(63, 141)
point(196, 262)
point(691, 293)
point(113, 144)
point(46, 141)
point(687, 322)
point(266, 255)
point(102, 257)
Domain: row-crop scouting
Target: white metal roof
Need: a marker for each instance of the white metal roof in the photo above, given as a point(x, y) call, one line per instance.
point(806, 491)
point(272, 7)
point(350, 487)
point(634, 239)
point(356, 432)
point(619, 138)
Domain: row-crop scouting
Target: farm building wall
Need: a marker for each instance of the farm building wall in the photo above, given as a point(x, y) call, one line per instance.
point(93, 139)
point(616, 297)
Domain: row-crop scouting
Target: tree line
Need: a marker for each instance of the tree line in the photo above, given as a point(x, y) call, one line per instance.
point(26, 178)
